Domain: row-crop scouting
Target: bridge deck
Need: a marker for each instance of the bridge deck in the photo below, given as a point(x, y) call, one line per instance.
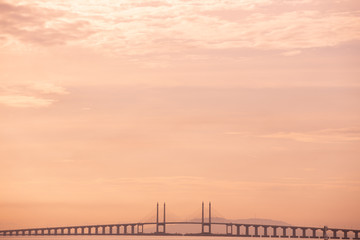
point(232, 230)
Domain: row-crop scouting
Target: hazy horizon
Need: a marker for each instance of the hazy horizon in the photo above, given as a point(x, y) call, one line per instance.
point(107, 107)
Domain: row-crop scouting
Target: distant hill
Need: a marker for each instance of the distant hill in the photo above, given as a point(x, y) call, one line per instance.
point(189, 228)
point(246, 221)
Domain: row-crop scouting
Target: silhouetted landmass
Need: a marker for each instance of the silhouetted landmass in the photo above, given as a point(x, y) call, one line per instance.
point(246, 221)
point(220, 229)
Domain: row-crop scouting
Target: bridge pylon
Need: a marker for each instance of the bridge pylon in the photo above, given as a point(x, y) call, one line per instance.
point(160, 226)
point(203, 223)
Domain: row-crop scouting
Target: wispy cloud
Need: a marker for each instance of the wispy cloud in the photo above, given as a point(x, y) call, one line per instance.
point(291, 53)
point(192, 182)
point(29, 23)
point(321, 136)
point(140, 28)
point(21, 101)
point(48, 88)
point(30, 94)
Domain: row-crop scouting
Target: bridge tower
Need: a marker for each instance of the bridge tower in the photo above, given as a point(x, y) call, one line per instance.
point(203, 223)
point(160, 224)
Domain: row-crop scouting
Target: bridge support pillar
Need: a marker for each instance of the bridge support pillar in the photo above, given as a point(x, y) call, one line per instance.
point(256, 231)
point(229, 229)
point(132, 229)
point(274, 233)
point(356, 235)
point(247, 231)
point(284, 232)
point(335, 234)
point(265, 232)
point(238, 230)
point(294, 233)
point(345, 234)
point(304, 233)
point(314, 232)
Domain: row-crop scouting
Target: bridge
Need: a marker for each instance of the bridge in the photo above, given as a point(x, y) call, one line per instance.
point(204, 229)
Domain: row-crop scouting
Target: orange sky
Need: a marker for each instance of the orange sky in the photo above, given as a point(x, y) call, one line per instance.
point(107, 107)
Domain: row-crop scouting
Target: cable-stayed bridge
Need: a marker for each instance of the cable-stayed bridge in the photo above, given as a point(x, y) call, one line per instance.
point(159, 228)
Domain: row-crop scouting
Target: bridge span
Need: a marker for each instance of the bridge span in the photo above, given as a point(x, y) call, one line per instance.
point(205, 229)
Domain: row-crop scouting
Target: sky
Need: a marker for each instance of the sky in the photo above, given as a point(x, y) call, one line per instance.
point(109, 106)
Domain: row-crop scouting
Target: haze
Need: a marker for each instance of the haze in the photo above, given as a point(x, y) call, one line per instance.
point(107, 107)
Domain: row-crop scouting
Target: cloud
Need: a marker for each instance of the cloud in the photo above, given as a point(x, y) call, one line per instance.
point(134, 28)
point(174, 180)
point(48, 88)
point(221, 185)
point(291, 53)
point(30, 23)
point(297, 2)
point(21, 101)
point(30, 94)
point(321, 136)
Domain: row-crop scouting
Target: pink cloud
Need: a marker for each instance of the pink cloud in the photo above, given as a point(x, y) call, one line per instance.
point(38, 25)
point(136, 28)
point(291, 53)
point(321, 136)
point(30, 94)
point(24, 101)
